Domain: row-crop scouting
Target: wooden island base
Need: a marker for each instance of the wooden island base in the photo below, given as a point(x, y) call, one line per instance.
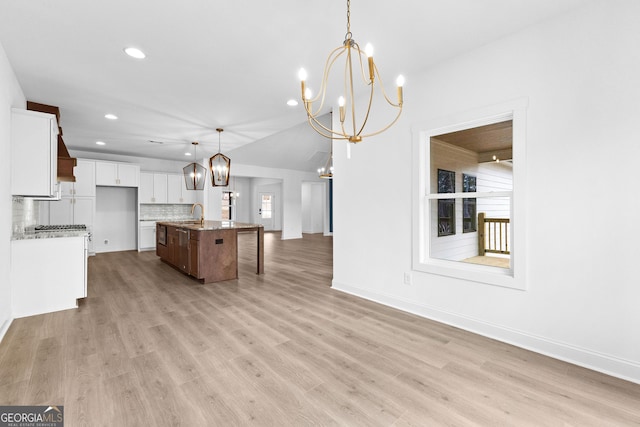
point(207, 251)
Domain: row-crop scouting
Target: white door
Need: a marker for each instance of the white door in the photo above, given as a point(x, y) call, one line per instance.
point(266, 205)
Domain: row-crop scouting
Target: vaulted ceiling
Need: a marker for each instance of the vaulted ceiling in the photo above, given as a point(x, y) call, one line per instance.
point(229, 64)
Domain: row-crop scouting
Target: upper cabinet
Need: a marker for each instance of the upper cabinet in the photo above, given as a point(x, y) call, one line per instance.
point(114, 174)
point(164, 188)
point(85, 185)
point(177, 190)
point(153, 187)
point(34, 153)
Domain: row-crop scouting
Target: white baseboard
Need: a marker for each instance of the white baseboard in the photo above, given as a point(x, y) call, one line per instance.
point(5, 327)
point(607, 364)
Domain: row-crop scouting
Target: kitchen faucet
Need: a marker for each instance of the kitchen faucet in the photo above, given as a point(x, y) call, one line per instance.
point(201, 212)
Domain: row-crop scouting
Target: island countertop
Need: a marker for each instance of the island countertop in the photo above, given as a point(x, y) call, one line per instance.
point(208, 225)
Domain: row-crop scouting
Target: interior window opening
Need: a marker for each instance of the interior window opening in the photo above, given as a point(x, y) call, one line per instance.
point(470, 195)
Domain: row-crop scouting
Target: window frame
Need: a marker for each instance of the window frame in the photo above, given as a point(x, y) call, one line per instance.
point(470, 201)
point(230, 204)
point(515, 276)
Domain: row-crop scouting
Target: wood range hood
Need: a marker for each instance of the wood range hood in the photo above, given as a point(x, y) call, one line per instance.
point(66, 163)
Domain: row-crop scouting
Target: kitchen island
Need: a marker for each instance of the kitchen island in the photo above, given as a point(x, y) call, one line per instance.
point(206, 250)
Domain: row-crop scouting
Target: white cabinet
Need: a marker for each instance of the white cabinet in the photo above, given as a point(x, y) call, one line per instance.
point(177, 190)
point(34, 153)
point(153, 188)
point(47, 274)
point(72, 210)
point(147, 235)
point(114, 174)
point(78, 202)
point(85, 185)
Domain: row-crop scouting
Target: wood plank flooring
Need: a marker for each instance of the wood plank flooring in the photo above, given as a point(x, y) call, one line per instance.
point(151, 347)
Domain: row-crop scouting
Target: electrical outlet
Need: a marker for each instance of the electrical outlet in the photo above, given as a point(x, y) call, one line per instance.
point(407, 278)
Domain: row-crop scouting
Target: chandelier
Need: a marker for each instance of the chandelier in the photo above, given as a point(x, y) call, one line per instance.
point(326, 172)
point(194, 173)
point(350, 129)
point(220, 166)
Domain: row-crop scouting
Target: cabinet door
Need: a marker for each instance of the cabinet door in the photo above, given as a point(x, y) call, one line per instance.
point(83, 210)
point(128, 175)
point(66, 189)
point(34, 143)
point(160, 187)
point(194, 262)
point(174, 189)
point(85, 173)
point(188, 196)
point(147, 237)
point(106, 173)
point(145, 191)
point(61, 211)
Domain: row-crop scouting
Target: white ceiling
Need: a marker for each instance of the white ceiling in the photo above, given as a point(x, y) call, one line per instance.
point(229, 64)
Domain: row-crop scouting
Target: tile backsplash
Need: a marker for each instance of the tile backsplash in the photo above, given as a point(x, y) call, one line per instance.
point(25, 213)
point(164, 212)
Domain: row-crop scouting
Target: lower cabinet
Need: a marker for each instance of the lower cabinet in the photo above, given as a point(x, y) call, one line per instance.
point(47, 274)
point(146, 235)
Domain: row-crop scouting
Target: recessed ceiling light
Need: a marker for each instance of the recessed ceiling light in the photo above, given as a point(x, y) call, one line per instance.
point(135, 53)
point(292, 103)
point(111, 116)
point(100, 143)
point(187, 154)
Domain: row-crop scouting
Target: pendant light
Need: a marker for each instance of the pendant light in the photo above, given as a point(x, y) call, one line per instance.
point(220, 166)
point(353, 69)
point(194, 173)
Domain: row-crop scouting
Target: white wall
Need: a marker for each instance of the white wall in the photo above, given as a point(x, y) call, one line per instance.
point(10, 96)
point(313, 209)
point(580, 73)
point(116, 225)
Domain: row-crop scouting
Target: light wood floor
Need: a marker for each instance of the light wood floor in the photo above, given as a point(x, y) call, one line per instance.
point(150, 347)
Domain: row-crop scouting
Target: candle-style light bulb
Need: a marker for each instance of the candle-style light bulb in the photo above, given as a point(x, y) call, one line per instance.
point(400, 83)
point(341, 102)
point(302, 74)
point(368, 50)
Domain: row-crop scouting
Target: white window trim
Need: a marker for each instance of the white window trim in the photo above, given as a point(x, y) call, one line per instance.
point(515, 277)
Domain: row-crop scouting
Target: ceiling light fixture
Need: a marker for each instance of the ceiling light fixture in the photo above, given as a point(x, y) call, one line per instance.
point(135, 53)
point(353, 131)
point(326, 172)
point(100, 143)
point(194, 173)
point(220, 166)
point(111, 116)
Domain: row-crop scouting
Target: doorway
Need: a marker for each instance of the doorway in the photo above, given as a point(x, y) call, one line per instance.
point(266, 211)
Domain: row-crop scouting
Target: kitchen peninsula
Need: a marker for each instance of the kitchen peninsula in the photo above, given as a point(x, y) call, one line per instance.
point(206, 250)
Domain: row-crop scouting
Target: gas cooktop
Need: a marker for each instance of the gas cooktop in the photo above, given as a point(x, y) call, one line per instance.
point(65, 227)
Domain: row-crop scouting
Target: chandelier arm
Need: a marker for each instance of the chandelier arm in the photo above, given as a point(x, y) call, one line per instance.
point(353, 100)
point(365, 80)
point(331, 134)
point(386, 127)
point(331, 59)
point(384, 93)
point(366, 117)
